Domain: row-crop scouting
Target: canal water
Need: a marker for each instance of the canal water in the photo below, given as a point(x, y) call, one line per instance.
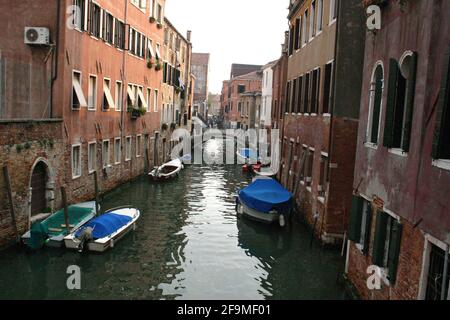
point(188, 245)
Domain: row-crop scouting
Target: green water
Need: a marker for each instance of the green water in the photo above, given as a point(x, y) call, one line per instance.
point(188, 245)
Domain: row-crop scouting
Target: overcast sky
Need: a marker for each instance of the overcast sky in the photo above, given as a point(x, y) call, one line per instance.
point(232, 31)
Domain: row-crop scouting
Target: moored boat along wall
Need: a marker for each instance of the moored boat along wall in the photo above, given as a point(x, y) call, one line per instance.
point(33, 153)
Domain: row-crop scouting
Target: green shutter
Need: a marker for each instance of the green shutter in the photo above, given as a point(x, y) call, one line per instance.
point(394, 251)
point(354, 233)
point(410, 104)
point(442, 104)
point(380, 238)
point(390, 105)
point(367, 230)
point(377, 104)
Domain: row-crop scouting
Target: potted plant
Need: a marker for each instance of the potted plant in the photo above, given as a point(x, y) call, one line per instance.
point(152, 19)
point(159, 25)
point(158, 66)
point(149, 63)
point(136, 112)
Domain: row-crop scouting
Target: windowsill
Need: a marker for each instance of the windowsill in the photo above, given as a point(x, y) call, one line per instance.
point(117, 163)
point(107, 166)
point(319, 33)
point(94, 37)
point(127, 160)
point(313, 114)
point(76, 109)
point(332, 21)
point(398, 152)
point(360, 248)
point(92, 109)
point(321, 199)
point(302, 183)
point(309, 189)
point(306, 114)
point(328, 115)
point(91, 172)
point(371, 145)
point(76, 177)
point(442, 164)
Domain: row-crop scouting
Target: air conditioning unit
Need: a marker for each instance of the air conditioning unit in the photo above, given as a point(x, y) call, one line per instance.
point(37, 36)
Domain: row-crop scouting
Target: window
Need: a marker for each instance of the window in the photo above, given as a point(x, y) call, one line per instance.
point(294, 95)
point(108, 101)
point(291, 40)
point(312, 21)
point(141, 4)
point(78, 99)
point(375, 103)
point(80, 14)
point(92, 95)
point(119, 34)
point(333, 10)
point(92, 157)
point(300, 94)
point(303, 163)
point(400, 102)
point(127, 148)
point(386, 246)
point(159, 13)
point(95, 17)
point(288, 97)
point(323, 180)
point(297, 33)
point(76, 161)
point(441, 142)
point(119, 96)
point(138, 145)
point(360, 223)
point(319, 18)
point(306, 106)
point(105, 154)
point(117, 150)
point(241, 88)
point(435, 277)
point(108, 25)
point(137, 43)
point(155, 97)
point(315, 88)
point(149, 101)
point(305, 28)
point(150, 51)
point(327, 88)
point(152, 8)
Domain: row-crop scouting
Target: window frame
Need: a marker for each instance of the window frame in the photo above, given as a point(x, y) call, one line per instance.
point(372, 95)
point(138, 145)
point(128, 148)
point(94, 76)
point(108, 158)
point(80, 165)
point(117, 152)
point(94, 143)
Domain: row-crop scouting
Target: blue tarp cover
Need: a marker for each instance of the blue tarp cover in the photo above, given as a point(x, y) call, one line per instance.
point(105, 225)
point(265, 195)
point(248, 153)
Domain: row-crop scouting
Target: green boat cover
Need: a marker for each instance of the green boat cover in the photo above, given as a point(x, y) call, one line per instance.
point(55, 225)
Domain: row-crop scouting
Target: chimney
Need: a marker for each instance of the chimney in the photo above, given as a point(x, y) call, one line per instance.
point(189, 33)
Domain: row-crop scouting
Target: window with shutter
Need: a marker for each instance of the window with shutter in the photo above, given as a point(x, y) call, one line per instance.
point(411, 66)
point(390, 106)
point(379, 239)
point(441, 141)
point(394, 251)
point(355, 219)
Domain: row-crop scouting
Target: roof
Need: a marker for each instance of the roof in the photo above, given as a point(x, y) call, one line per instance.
point(270, 64)
point(242, 69)
point(255, 75)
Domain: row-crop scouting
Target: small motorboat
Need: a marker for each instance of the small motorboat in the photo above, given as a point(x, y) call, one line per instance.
point(166, 171)
point(265, 200)
point(103, 232)
point(52, 230)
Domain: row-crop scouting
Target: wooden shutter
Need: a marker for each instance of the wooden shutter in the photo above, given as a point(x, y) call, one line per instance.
point(394, 251)
point(354, 231)
point(380, 238)
point(442, 105)
point(409, 107)
point(89, 24)
point(390, 106)
point(368, 227)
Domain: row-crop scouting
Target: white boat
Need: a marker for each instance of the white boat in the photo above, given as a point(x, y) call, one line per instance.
point(103, 232)
point(166, 171)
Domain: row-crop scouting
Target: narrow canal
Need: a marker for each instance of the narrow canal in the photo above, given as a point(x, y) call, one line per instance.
point(188, 245)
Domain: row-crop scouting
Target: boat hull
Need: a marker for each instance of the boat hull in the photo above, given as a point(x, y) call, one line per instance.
point(268, 218)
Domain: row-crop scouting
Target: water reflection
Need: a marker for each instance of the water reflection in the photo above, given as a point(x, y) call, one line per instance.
point(188, 245)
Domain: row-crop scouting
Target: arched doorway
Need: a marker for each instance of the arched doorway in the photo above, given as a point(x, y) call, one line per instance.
point(39, 180)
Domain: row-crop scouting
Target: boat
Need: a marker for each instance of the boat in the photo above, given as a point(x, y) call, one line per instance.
point(102, 233)
point(52, 230)
point(186, 159)
point(265, 200)
point(166, 171)
point(247, 155)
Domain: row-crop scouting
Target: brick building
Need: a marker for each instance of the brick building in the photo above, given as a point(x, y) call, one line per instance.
point(400, 220)
point(236, 86)
point(200, 69)
point(87, 101)
point(249, 106)
point(325, 56)
point(265, 114)
point(279, 86)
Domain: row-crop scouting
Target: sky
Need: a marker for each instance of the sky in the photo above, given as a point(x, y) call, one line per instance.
point(232, 31)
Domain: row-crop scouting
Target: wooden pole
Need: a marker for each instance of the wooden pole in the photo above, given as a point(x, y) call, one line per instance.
point(11, 203)
point(96, 192)
point(66, 209)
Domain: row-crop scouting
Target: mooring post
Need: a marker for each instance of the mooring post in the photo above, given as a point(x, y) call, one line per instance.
point(11, 203)
point(96, 192)
point(66, 209)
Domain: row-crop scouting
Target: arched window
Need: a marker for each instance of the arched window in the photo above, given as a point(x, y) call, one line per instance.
point(375, 104)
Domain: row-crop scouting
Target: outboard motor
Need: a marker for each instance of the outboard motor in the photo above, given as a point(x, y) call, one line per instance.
point(85, 236)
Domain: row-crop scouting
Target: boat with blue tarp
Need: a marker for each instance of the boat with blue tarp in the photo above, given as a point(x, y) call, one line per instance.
point(265, 200)
point(103, 232)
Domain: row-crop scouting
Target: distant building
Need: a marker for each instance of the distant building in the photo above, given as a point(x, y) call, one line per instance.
point(200, 69)
point(249, 105)
point(214, 105)
point(279, 87)
point(242, 69)
point(265, 116)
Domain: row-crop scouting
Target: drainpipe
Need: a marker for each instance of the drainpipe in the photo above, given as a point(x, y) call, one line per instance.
point(444, 277)
point(55, 57)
